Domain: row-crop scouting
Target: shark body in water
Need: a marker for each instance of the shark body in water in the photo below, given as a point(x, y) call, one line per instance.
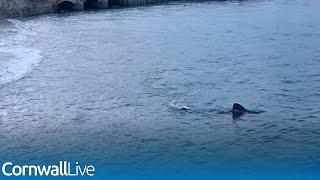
point(237, 110)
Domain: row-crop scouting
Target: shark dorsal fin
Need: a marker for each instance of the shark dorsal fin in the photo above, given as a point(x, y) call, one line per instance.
point(239, 108)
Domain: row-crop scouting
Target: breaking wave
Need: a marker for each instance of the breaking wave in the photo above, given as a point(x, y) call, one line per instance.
point(17, 58)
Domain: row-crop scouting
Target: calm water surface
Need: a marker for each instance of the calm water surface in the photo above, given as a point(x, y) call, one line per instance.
point(109, 87)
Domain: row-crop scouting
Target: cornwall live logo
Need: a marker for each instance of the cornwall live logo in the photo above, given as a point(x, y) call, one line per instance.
point(63, 168)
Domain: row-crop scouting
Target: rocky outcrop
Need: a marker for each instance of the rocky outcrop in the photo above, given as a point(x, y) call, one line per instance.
point(10, 8)
point(13, 8)
point(127, 3)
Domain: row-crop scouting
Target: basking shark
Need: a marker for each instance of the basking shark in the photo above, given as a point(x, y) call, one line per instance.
point(238, 110)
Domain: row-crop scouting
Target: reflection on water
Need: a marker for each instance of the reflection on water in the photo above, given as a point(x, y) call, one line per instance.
point(115, 87)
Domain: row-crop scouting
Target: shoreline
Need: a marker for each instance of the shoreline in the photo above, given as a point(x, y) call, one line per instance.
point(16, 57)
point(18, 8)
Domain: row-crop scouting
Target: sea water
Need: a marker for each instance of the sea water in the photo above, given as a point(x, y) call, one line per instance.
point(147, 91)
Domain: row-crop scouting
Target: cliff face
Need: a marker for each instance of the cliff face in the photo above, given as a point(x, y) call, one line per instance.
point(13, 8)
point(125, 3)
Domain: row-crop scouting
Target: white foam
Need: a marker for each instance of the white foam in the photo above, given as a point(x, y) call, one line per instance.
point(175, 105)
point(17, 24)
point(22, 58)
point(23, 61)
